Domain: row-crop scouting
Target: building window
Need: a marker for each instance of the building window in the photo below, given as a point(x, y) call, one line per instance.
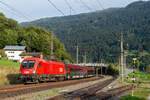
point(11, 52)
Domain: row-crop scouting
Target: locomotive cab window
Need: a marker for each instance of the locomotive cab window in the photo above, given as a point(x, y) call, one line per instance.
point(28, 64)
point(39, 65)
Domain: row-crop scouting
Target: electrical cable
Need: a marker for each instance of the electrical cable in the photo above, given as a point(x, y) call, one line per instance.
point(70, 7)
point(9, 11)
point(16, 11)
point(100, 4)
point(56, 7)
point(90, 9)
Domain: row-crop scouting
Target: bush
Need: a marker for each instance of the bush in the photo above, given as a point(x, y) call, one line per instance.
point(2, 53)
point(112, 70)
point(140, 75)
point(129, 97)
point(148, 69)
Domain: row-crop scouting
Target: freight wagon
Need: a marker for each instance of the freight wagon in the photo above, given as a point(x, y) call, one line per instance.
point(38, 70)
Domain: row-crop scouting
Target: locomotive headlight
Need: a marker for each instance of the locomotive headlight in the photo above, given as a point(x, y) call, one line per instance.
point(34, 72)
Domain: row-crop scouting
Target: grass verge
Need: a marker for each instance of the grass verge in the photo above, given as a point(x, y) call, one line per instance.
point(140, 94)
point(9, 63)
point(129, 97)
point(9, 71)
point(141, 77)
point(143, 91)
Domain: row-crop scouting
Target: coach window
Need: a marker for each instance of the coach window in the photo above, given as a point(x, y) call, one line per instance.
point(39, 65)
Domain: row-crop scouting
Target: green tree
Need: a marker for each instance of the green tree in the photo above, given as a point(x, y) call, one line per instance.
point(2, 53)
point(36, 39)
point(137, 64)
point(148, 68)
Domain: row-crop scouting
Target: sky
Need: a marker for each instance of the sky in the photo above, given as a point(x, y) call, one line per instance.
point(29, 10)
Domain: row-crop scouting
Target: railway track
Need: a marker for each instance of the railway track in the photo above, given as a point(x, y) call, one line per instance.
point(94, 93)
point(25, 89)
point(83, 93)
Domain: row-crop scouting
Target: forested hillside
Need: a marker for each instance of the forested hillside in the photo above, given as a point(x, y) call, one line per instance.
point(98, 33)
point(36, 39)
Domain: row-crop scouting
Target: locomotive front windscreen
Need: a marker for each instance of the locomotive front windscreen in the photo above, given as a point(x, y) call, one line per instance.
point(28, 64)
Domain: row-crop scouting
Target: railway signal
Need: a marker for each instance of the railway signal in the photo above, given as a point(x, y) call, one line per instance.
point(134, 61)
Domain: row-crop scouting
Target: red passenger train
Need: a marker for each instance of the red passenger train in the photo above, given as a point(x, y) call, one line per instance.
point(37, 70)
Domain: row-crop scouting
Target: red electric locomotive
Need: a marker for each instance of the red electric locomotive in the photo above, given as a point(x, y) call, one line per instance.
point(37, 70)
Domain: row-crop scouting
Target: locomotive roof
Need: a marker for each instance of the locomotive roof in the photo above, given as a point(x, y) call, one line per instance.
point(33, 59)
point(55, 62)
point(43, 60)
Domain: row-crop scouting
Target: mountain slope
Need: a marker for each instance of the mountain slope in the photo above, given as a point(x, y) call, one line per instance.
point(98, 33)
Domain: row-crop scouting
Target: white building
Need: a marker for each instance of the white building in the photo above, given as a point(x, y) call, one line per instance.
point(13, 52)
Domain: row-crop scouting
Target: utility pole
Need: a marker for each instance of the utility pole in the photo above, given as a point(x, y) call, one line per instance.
point(52, 46)
point(119, 65)
point(97, 71)
point(101, 68)
point(84, 61)
point(121, 58)
point(77, 53)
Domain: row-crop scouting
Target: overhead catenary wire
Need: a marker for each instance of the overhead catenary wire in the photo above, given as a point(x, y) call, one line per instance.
point(92, 6)
point(99, 3)
point(70, 7)
point(16, 11)
point(9, 11)
point(56, 7)
point(84, 4)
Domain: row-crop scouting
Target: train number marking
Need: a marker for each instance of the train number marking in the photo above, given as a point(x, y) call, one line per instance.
point(26, 72)
point(60, 69)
